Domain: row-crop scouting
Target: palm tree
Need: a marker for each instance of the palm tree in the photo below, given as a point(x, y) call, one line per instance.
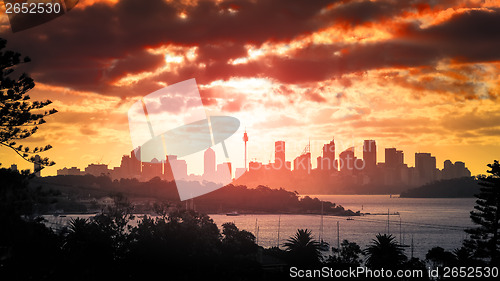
point(384, 252)
point(302, 248)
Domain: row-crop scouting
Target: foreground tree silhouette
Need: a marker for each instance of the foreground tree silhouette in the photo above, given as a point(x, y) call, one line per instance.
point(384, 252)
point(439, 257)
point(484, 239)
point(303, 249)
point(18, 115)
point(347, 256)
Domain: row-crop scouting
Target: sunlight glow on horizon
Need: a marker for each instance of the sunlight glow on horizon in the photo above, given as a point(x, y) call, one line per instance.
point(320, 83)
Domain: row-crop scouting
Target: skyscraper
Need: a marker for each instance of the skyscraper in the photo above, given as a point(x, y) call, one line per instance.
point(400, 158)
point(177, 166)
point(370, 154)
point(393, 158)
point(302, 162)
point(328, 159)
point(425, 164)
point(457, 170)
point(347, 160)
point(135, 161)
point(153, 168)
point(209, 163)
point(224, 172)
point(279, 155)
point(390, 157)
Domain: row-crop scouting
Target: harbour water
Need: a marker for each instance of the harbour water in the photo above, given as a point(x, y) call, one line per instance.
point(428, 222)
point(420, 223)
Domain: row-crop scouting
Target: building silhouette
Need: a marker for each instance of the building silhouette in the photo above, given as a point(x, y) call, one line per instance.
point(152, 169)
point(332, 173)
point(394, 169)
point(223, 173)
point(425, 165)
point(327, 161)
point(238, 172)
point(457, 170)
point(347, 160)
point(209, 164)
point(279, 155)
point(177, 167)
point(73, 171)
point(97, 170)
point(394, 158)
point(302, 163)
point(370, 155)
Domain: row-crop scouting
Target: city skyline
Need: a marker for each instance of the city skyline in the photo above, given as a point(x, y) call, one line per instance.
point(397, 170)
point(411, 74)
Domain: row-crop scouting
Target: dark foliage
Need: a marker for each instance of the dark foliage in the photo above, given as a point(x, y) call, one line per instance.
point(302, 249)
point(384, 252)
point(17, 198)
point(349, 255)
point(226, 199)
point(452, 188)
point(19, 117)
point(484, 242)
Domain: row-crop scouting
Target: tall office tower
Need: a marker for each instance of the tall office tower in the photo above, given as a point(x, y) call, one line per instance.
point(370, 154)
point(390, 157)
point(400, 158)
point(347, 160)
point(393, 158)
point(425, 164)
point(302, 162)
point(135, 161)
point(279, 155)
point(177, 167)
point(224, 172)
point(37, 165)
point(328, 160)
point(209, 163)
point(245, 139)
point(457, 170)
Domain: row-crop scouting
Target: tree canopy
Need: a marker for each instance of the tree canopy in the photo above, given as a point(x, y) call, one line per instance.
point(484, 239)
point(19, 116)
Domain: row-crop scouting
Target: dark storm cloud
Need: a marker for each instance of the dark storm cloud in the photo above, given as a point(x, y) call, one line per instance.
point(88, 49)
point(472, 36)
point(355, 13)
point(467, 37)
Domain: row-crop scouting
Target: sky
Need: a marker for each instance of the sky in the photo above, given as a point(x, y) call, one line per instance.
point(421, 76)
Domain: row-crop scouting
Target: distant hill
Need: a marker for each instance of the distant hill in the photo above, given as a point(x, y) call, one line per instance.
point(262, 199)
point(453, 188)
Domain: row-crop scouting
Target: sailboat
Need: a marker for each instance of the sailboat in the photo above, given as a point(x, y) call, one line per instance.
point(323, 246)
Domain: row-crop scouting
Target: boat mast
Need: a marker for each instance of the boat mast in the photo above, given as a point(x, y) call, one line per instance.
point(388, 231)
point(279, 224)
point(412, 245)
point(321, 225)
point(400, 241)
point(338, 238)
